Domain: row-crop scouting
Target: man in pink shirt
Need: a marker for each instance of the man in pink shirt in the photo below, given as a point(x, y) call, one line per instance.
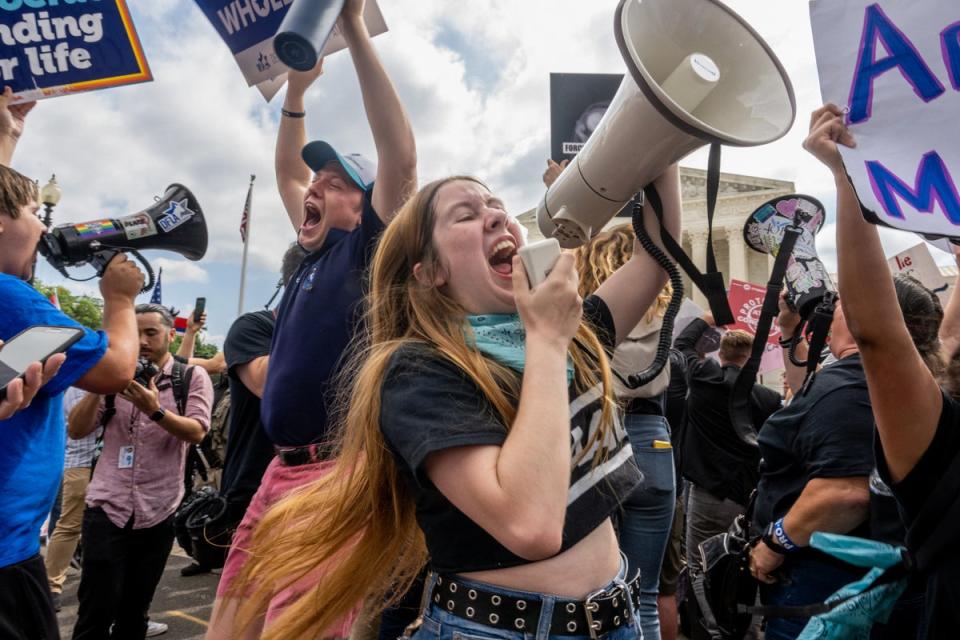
point(137, 482)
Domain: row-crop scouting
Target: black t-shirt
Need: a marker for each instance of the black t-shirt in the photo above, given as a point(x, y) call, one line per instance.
point(249, 450)
point(714, 457)
point(429, 404)
point(825, 432)
point(943, 581)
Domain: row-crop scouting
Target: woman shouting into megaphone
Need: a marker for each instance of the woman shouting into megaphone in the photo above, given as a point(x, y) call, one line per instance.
point(481, 436)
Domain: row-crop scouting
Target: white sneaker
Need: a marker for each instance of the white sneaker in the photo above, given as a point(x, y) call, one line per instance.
point(156, 628)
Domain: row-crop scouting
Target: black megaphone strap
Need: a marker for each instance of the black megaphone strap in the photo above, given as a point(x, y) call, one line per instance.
point(710, 283)
point(740, 414)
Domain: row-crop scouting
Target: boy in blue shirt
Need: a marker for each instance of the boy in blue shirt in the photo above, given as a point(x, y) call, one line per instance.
point(31, 459)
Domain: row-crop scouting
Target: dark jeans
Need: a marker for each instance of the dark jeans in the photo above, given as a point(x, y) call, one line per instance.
point(26, 611)
point(121, 570)
point(804, 580)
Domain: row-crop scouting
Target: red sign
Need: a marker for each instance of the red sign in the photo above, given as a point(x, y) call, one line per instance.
point(746, 303)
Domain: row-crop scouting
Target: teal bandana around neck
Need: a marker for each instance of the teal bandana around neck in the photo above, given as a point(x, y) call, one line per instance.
point(502, 337)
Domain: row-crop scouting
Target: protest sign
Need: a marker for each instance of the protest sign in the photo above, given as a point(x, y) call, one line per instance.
point(895, 66)
point(918, 263)
point(248, 27)
point(51, 48)
point(577, 103)
point(746, 302)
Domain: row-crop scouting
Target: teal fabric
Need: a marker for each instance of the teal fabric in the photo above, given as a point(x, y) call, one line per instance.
point(853, 619)
point(502, 337)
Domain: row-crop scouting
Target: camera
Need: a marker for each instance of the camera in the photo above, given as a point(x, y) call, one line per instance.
point(145, 372)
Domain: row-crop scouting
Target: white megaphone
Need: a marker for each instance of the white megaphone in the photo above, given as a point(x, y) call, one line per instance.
point(698, 74)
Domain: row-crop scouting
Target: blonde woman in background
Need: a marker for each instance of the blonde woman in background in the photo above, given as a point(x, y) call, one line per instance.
point(648, 511)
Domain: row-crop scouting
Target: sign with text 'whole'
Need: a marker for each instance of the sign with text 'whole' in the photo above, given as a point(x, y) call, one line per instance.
point(895, 66)
point(248, 26)
point(53, 47)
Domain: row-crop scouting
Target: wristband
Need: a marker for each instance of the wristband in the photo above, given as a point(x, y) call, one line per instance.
point(293, 114)
point(779, 535)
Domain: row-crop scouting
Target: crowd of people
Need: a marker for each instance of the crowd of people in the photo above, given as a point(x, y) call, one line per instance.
point(420, 444)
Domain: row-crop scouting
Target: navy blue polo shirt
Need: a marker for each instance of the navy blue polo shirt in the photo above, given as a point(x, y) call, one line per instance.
point(318, 316)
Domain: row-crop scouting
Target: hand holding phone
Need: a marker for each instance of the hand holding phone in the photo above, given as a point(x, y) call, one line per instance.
point(28, 361)
point(538, 259)
point(198, 308)
point(19, 392)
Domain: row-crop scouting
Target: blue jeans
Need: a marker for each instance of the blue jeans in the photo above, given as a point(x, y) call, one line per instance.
point(804, 581)
point(438, 624)
point(648, 513)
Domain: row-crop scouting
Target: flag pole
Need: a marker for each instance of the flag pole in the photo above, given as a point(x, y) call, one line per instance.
point(245, 231)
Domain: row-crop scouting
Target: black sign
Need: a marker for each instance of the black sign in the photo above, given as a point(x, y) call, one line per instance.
point(577, 103)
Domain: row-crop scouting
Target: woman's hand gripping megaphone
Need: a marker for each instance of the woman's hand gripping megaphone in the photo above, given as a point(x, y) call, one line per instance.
point(551, 311)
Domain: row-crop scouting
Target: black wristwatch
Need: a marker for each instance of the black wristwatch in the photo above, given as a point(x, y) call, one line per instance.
point(158, 415)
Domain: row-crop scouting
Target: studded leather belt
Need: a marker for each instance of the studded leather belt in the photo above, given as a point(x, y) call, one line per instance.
point(601, 612)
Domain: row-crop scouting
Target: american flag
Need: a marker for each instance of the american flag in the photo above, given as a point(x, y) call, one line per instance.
point(245, 218)
point(157, 297)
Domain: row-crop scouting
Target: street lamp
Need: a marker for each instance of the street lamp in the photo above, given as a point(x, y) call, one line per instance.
point(49, 196)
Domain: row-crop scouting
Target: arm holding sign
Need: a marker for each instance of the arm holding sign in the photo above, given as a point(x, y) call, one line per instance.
point(293, 175)
point(396, 150)
point(905, 396)
point(12, 118)
point(950, 327)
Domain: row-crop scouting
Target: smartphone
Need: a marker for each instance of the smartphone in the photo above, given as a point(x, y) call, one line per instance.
point(34, 344)
point(198, 308)
point(538, 259)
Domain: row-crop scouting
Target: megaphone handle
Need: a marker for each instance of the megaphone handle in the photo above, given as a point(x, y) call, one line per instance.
point(102, 258)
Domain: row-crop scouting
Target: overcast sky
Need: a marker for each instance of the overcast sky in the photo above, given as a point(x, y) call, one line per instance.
point(474, 77)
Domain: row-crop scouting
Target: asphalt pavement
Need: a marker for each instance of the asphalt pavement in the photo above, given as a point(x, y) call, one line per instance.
point(184, 604)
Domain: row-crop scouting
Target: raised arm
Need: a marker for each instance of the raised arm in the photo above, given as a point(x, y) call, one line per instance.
point(11, 124)
point(789, 322)
point(906, 398)
point(392, 134)
point(631, 290)
point(120, 285)
point(950, 327)
point(293, 175)
point(189, 342)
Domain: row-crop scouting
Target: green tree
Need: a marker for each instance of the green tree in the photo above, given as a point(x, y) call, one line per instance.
point(201, 349)
point(86, 310)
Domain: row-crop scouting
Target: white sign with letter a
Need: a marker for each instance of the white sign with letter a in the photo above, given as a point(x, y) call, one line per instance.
point(895, 66)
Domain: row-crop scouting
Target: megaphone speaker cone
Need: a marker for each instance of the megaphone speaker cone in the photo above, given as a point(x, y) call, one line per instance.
point(806, 276)
point(676, 49)
point(698, 74)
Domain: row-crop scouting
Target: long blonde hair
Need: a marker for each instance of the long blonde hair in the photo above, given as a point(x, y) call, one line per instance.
point(357, 524)
point(603, 255)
